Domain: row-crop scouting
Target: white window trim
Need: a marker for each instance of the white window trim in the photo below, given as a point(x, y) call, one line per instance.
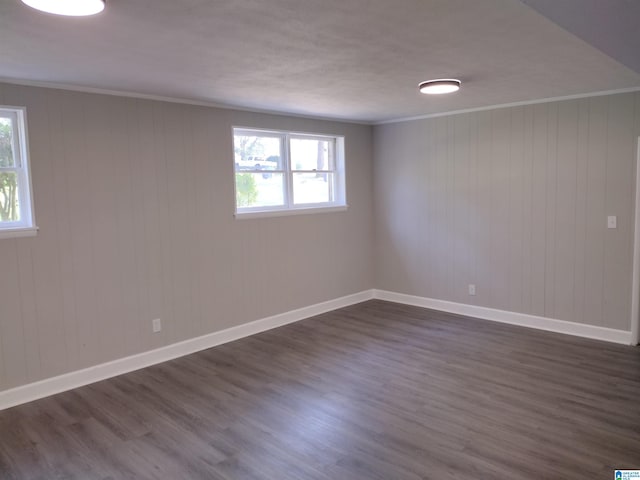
point(338, 205)
point(18, 232)
point(26, 227)
point(293, 211)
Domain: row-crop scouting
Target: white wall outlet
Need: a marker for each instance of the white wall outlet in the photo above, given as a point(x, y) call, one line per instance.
point(612, 221)
point(472, 289)
point(156, 325)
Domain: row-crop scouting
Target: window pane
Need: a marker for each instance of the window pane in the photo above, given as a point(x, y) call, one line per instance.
point(311, 154)
point(259, 189)
point(9, 203)
point(257, 153)
point(312, 188)
point(6, 143)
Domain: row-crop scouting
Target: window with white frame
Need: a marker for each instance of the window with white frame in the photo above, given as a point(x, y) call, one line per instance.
point(281, 172)
point(16, 213)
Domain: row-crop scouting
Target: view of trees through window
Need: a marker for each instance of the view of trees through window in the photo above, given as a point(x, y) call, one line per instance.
point(250, 155)
point(9, 204)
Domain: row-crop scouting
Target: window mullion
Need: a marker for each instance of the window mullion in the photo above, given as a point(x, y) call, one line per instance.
point(289, 168)
point(22, 195)
point(15, 142)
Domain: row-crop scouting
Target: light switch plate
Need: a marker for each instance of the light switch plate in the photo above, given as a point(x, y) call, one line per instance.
point(612, 221)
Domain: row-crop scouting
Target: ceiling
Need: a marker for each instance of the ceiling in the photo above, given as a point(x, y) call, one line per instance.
point(612, 26)
point(347, 59)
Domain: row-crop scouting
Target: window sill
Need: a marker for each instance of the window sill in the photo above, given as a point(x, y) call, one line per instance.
point(18, 232)
point(292, 211)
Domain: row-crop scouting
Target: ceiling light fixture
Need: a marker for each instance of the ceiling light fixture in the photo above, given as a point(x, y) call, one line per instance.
point(70, 8)
point(440, 86)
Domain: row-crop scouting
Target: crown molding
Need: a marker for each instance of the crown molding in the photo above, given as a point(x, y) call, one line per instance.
point(507, 105)
point(178, 100)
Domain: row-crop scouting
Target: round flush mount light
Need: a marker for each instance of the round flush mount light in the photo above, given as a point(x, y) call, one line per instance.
point(440, 86)
point(70, 8)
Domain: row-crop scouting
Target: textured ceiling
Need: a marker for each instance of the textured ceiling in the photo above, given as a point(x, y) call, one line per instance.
point(351, 59)
point(612, 26)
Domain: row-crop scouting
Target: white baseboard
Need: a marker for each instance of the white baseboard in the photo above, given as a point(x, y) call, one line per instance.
point(513, 318)
point(79, 378)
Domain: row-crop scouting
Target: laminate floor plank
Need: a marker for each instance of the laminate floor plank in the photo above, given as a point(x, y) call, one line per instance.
point(375, 391)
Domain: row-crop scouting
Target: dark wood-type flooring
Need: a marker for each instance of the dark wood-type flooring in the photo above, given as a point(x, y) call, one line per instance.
point(376, 391)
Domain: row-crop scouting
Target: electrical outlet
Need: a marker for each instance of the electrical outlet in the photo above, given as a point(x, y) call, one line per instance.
point(156, 325)
point(472, 289)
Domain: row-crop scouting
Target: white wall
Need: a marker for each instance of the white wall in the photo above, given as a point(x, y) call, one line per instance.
point(134, 200)
point(515, 201)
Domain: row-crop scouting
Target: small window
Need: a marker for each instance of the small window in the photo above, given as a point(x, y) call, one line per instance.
point(285, 172)
point(16, 214)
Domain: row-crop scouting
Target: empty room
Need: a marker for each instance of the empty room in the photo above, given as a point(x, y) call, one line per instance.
point(319, 240)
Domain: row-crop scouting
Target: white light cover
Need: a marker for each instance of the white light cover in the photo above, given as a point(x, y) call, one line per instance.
point(71, 8)
point(440, 86)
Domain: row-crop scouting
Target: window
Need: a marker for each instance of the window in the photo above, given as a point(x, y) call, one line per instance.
point(16, 215)
point(284, 172)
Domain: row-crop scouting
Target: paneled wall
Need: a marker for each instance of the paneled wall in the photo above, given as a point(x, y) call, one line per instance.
point(135, 200)
point(515, 201)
